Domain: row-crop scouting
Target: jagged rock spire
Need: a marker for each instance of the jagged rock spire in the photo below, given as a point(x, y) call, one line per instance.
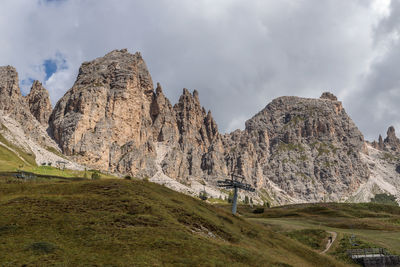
point(391, 140)
point(10, 95)
point(104, 119)
point(380, 142)
point(12, 104)
point(39, 103)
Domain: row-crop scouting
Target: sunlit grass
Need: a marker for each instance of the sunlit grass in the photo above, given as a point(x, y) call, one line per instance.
point(132, 223)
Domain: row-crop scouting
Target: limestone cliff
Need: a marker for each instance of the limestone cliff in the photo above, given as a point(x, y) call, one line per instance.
point(39, 103)
point(384, 164)
point(294, 150)
point(104, 119)
point(309, 148)
point(19, 126)
point(112, 117)
point(13, 105)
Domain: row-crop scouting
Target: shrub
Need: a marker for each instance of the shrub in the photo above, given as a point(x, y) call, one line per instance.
point(96, 175)
point(203, 195)
point(42, 247)
point(128, 177)
point(258, 211)
point(385, 199)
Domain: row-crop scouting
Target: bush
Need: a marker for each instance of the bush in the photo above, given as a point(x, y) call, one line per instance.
point(96, 175)
point(42, 247)
point(203, 195)
point(385, 199)
point(128, 177)
point(258, 211)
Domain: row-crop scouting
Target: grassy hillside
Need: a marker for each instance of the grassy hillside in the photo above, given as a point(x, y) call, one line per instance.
point(132, 223)
point(373, 225)
point(12, 157)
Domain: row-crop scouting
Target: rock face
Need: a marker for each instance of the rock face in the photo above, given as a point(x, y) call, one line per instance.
point(104, 119)
point(328, 95)
point(309, 148)
point(384, 165)
point(39, 103)
point(198, 151)
point(10, 94)
point(13, 105)
point(391, 142)
point(112, 117)
point(294, 150)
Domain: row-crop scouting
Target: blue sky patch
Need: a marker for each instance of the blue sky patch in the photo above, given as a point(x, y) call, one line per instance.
point(50, 67)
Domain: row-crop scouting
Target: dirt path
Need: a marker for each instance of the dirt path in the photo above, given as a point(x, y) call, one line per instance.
point(328, 246)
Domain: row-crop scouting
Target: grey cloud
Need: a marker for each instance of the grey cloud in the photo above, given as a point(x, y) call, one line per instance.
point(375, 106)
point(239, 55)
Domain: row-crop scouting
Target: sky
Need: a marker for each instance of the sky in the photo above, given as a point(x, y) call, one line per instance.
point(239, 54)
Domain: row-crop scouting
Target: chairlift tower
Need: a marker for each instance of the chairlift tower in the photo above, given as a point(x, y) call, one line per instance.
point(236, 182)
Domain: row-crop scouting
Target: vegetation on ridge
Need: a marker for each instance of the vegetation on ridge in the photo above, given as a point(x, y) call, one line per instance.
point(125, 223)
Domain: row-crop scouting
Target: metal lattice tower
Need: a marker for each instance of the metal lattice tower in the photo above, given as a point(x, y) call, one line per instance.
point(235, 182)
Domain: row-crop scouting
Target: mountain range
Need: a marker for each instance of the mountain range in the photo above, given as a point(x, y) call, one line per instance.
point(295, 150)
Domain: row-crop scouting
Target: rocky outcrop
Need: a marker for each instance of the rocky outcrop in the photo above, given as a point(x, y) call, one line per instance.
point(294, 150)
point(10, 95)
point(384, 176)
point(328, 95)
point(309, 148)
point(111, 119)
point(13, 105)
point(165, 127)
point(39, 103)
point(104, 119)
point(198, 152)
point(391, 142)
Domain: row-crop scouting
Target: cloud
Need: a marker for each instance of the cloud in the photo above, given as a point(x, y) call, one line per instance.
point(238, 54)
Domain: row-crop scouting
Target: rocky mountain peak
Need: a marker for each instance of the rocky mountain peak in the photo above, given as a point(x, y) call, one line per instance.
point(14, 106)
point(391, 135)
point(9, 88)
point(39, 103)
point(380, 142)
point(304, 146)
point(298, 149)
point(158, 89)
point(328, 95)
point(391, 140)
point(192, 117)
point(107, 111)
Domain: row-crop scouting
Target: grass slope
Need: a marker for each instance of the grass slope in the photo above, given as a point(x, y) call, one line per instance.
point(132, 223)
point(18, 159)
point(374, 225)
